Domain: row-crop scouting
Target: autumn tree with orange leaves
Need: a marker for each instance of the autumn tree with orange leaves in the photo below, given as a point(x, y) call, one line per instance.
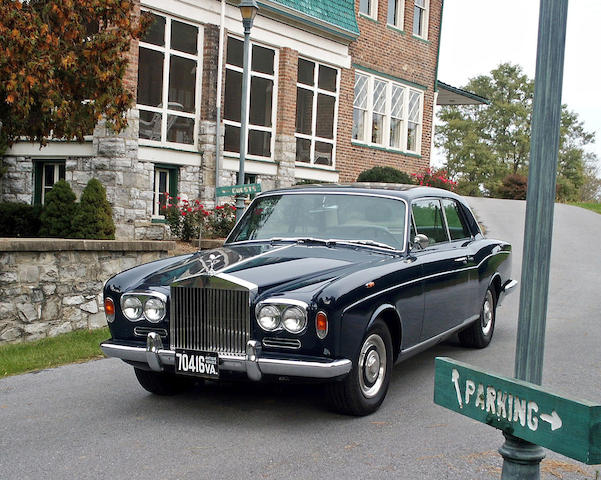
point(62, 65)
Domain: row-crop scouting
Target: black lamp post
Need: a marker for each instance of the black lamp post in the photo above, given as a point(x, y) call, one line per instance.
point(248, 10)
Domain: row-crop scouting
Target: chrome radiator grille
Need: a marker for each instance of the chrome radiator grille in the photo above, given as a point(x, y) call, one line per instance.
point(209, 319)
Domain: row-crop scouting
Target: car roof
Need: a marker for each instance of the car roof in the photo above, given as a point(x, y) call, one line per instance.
point(404, 191)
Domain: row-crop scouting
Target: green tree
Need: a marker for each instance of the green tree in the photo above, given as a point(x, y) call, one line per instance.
point(94, 217)
point(485, 144)
point(58, 212)
point(62, 65)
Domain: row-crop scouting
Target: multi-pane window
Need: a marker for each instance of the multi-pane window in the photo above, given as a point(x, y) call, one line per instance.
point(316, 106)
point(369, 8)
point(165, 185)
point(261, 108)
point(50, 172)
point(168, 79)
point(420, 18)
point(396, 13)
point(387, 113)
point(360, 107)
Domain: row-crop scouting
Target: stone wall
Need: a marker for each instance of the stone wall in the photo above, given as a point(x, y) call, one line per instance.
point(53, 286)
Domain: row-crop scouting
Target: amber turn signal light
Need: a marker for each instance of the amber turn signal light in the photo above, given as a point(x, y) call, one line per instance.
point(109, 309)
point(321, 325)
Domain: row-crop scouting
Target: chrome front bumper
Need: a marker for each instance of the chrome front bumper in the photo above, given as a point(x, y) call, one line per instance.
point(254, 365)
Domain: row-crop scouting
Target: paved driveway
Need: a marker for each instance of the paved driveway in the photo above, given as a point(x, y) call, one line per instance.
point(93, 421)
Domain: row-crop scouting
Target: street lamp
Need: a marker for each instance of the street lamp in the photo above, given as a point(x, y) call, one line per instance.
point(248, 10)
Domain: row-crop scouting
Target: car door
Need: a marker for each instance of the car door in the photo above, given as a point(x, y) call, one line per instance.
point(445, 266)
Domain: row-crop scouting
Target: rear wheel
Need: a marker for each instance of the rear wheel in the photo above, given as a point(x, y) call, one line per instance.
point(479, 334)
point(363, 390)
point(161, 383)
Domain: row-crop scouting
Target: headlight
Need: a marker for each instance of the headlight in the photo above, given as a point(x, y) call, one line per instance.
point(131, 307)
point(294, 319)
point(154, 309)
point(269, 318)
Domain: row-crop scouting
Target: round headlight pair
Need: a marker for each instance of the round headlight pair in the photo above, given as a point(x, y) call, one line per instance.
point(273, 317)
point(153, 308)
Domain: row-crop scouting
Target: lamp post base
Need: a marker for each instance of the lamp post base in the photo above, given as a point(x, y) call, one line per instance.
point(521, 459)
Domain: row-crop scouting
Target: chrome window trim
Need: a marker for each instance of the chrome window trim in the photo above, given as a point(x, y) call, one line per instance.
point(352, 194)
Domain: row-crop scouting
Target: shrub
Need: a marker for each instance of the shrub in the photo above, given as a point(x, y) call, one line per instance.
point(435, 178)
point(186, 219)
point(513, 186)
point(58, 212)
point(221, 221)
point(19, 219)
point(94, 217)
point(384, 175)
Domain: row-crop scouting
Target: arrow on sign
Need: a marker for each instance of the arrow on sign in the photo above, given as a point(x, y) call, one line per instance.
point(455, 380)
point(553, 419)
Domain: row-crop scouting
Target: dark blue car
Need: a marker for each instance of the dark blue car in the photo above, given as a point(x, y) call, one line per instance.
point(327, 282)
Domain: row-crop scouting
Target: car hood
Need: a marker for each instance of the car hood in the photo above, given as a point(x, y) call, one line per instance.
point(280, 267)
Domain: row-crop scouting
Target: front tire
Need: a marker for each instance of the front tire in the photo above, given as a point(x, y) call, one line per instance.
point(160, 383)
point(363, 390)
point(479, 334)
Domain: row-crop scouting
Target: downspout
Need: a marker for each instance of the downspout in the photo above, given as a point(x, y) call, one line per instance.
point(219, 82)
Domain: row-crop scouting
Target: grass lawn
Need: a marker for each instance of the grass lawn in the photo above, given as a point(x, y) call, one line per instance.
point(595, 207)
point(72, 347)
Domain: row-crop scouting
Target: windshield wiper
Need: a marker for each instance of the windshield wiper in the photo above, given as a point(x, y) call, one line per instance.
point(369, 243)
point(303, 240)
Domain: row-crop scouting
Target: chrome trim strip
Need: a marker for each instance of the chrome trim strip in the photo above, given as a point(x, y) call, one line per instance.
point(287, 343)
point(252, 364)
point(415, 349)
point(509, 286)
point(144, 331)
point(252, 287)
point(404, 284)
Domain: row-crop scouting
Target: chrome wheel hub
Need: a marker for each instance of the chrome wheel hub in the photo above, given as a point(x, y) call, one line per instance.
point(486, 316)
point(372, 365)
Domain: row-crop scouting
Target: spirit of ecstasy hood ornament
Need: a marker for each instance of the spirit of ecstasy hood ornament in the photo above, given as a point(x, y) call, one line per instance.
point(212, 259)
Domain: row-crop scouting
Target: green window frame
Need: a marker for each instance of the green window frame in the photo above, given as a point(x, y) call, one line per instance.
point(165, 181)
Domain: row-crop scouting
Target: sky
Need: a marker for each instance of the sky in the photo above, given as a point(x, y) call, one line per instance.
point(478, 35)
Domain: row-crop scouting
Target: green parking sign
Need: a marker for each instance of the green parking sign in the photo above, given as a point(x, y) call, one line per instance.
point(522, 409)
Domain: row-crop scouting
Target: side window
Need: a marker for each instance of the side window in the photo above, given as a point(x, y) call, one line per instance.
point(429, 220)
point(458, 229)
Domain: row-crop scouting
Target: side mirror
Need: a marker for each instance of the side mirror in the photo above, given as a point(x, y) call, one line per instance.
point(421, 240)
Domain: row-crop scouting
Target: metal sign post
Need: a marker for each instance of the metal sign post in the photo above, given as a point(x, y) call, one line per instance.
point(522, 460)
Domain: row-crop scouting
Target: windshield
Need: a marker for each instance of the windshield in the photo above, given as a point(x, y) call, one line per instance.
point(325, 216)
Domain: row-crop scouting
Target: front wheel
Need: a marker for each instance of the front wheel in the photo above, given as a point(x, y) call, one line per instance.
point(363, 390)
point(479, 334)
point(160, 383)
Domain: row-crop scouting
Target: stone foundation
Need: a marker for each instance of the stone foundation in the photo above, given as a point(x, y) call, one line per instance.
point(53, 286)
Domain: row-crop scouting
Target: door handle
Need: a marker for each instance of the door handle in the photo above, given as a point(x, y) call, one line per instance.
point(462, 259)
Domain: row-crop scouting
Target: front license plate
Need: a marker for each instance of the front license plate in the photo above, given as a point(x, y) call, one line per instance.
point(198, 364)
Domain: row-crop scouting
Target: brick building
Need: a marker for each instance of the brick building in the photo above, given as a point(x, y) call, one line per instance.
point(336, 88)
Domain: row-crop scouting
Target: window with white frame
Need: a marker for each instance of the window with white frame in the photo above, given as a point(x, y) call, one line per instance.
point(165, 186)
point(387, 113)
point(168, 81)
point(47, 173)
point(261, 108)
point(396, 13)
point(369, 8)
point(420, 18)
point(316, 111)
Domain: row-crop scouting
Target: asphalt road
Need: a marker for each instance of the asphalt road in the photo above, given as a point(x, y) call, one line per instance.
point(92, 420)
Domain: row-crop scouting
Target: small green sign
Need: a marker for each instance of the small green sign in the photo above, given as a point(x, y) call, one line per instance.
point(245, 189)
point(522, 409)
